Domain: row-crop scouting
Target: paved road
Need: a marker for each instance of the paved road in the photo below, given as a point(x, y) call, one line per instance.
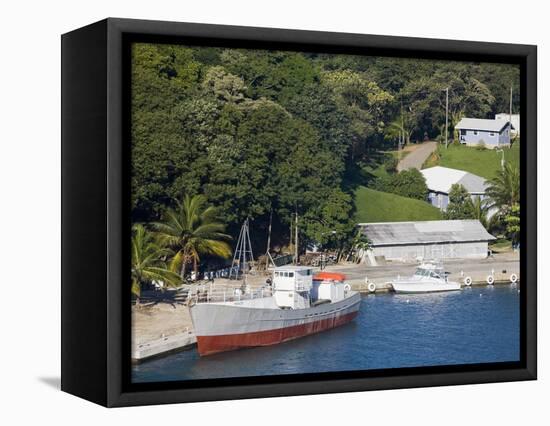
point(417, 156)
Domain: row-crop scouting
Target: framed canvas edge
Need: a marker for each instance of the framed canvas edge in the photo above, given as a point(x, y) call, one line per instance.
point(117, 396)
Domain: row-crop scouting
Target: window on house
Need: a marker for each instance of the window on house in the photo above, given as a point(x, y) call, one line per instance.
point(491, 134)
point(475, 132)
point(462, 132)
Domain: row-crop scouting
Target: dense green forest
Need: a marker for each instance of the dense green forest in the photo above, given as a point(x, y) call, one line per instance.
point(265, 134)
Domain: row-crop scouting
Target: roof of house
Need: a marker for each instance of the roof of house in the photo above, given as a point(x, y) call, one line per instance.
point(484, 124)
point(428, 232)
point(440, 179)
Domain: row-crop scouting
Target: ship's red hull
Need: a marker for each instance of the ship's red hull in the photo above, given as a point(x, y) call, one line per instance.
point(208, 345)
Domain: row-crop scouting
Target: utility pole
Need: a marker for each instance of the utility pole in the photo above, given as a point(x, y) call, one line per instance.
point(296, 239)
point(510, 130)
point(267, 255)
point(446, 117)
point(402, 126)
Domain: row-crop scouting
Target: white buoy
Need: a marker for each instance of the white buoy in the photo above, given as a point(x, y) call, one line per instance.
point(468, 281)
point(371, 287)
point(490, 279)
point(513, 278)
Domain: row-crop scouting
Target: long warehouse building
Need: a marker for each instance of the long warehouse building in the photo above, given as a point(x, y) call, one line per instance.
point(438, 239)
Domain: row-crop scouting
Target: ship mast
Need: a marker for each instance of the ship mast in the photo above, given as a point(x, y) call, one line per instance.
point(243, 256)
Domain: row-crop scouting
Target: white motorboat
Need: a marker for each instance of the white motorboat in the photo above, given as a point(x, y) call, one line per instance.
point(428, 277)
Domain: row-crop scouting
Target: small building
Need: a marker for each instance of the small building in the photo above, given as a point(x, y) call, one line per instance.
point(440, 180)
point(414, 241)
point(515, 121)
point(491, 133)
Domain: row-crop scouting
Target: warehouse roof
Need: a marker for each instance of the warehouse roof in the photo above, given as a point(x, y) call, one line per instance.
point(428, 232)
point(485, 124)
point(440, 179)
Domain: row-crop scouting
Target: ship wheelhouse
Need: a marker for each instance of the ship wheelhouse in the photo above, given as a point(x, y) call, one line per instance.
point(296, 287)
point(292, 286)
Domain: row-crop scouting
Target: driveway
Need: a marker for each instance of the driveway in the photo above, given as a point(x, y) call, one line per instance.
point(417, 155)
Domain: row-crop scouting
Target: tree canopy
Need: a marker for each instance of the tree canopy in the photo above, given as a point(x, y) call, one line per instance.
point(256, 131)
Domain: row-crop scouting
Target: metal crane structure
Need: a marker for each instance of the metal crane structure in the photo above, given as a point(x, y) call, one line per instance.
point(243, 257)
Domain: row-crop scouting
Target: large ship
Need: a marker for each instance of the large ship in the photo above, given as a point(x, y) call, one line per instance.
point(296, 304)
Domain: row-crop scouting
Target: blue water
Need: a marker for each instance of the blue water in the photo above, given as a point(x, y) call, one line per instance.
point(476, 325)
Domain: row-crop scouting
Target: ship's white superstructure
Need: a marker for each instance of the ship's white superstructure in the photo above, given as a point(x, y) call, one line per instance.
point(297, 304)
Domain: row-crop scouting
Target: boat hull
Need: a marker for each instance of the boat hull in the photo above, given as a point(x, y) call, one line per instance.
point(420, 287)
point(222, 327)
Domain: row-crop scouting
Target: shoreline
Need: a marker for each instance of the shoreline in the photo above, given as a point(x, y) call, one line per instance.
point(163, 325)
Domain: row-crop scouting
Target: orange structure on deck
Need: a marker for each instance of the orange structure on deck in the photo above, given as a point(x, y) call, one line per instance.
point(329, 276)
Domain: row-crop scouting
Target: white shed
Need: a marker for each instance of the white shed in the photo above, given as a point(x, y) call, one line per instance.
point(515, 121)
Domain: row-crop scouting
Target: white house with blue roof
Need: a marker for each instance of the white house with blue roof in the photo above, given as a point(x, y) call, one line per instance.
point(492, 133)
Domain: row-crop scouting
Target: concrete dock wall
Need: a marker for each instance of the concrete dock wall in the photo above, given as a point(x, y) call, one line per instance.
point(163, 346)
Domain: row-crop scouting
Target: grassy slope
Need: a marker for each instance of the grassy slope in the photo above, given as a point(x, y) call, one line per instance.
point(482, 163)
point(379, 169)
point(376, 206)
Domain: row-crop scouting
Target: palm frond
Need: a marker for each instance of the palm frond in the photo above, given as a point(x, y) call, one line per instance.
point(162, 274)
point(190, 230)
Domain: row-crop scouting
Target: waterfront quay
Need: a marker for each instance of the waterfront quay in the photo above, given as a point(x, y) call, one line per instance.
point(500, 266)
point(162, 324)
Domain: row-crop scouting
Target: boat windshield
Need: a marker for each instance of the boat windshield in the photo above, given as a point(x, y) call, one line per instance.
point(422, 272)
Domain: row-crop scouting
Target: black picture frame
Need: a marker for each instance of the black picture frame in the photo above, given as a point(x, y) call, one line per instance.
point(95, 212)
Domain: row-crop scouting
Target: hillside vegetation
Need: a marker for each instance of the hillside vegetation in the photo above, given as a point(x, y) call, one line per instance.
point(377, 206)
point(272, 136)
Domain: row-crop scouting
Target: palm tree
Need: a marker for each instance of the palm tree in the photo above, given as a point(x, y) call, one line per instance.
point(478, 209)
point(190, 230)
point(503, 189)
point(147, 264)
point(359, 244)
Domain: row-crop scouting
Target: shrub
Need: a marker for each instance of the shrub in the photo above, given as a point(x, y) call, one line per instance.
point(408, 183)
point(458, 207)
point(481, 145)
point(391, 164)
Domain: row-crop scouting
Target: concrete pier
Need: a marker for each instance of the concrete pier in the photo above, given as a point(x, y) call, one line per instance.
point(163, 346)
point(385, 286)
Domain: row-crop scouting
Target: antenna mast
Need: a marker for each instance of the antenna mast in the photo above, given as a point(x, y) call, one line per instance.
point(243, 256)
